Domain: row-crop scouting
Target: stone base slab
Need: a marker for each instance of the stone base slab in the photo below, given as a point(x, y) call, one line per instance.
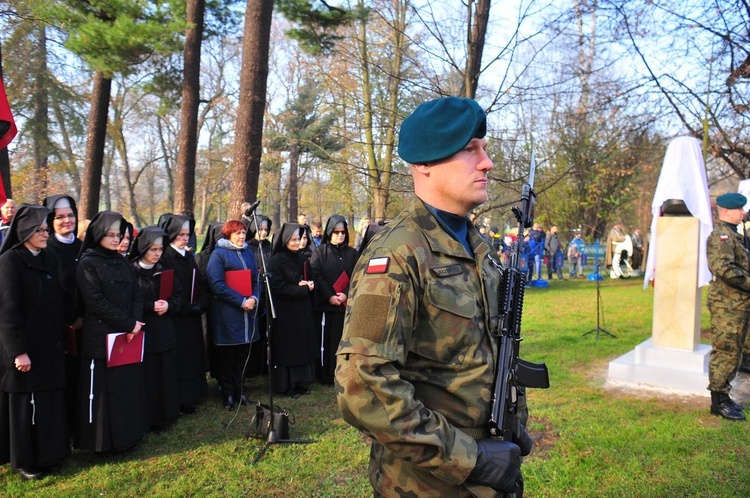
point(674, 370)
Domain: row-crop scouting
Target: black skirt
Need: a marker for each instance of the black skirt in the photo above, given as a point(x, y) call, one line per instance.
point(160, 371)
point(116, 418)
point(33, 435)
point(329, 337)
point(191, 371)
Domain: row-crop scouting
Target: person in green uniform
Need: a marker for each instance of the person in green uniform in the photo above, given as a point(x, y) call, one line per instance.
point(728, 302)
point(416, 363)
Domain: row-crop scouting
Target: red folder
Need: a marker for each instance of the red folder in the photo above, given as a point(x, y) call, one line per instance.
point(240, 281)
point(121, 352)
point(166, 283)
point(71, 344)
point(340, 284)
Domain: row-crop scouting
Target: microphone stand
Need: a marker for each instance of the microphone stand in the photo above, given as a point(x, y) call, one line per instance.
point(273, 437)
point(599, 311)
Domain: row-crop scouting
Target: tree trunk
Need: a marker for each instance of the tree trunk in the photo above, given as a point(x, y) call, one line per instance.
point(293, 179)
point(248, 145)
point(95, 139)
point(188, 140)
point(477, 33)
point(40, 122)
point(167, 165)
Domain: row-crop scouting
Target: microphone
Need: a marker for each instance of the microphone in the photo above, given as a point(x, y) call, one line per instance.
point(252, 208)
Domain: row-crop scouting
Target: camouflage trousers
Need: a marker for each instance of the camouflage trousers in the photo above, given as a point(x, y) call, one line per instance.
point(728, 336)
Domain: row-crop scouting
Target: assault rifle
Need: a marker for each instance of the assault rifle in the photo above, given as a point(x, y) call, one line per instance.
point(512, 371)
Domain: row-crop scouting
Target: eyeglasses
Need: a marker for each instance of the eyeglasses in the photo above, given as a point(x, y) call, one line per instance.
point(111, 235)
point(42, 231)
point(61, 217)
point(339, 232)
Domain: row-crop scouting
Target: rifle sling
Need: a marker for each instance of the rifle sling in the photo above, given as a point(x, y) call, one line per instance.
point(476, 432)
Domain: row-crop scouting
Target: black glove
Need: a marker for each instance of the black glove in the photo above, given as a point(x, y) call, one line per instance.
point(498, 465)
point(522, 438)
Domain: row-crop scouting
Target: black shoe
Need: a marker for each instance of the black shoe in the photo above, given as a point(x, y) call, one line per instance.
point(188, 409)
point(292, 394)
point(302, 391)
point(722, 405)
point(30, 474)
point(229, 403)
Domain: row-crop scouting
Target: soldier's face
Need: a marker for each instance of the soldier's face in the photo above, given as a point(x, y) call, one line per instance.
point(735, 216)
point(461, 180)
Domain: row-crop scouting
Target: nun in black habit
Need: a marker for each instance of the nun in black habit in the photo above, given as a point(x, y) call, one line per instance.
point(188, 326)
point(65, 246)
point(112, 414)
point(160, 358)
point(213, 234)
point(34, 432)
point(258, 231)
point(293, 330)
point(331, 262)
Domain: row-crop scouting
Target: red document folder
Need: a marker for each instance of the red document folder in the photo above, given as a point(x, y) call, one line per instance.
point(71, 344)
point(121, 352)
point(240, 281)
point(340, 284)
point(166, 283)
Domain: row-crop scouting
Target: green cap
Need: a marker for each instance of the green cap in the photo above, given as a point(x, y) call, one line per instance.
point(440, 128)
point(731, 200)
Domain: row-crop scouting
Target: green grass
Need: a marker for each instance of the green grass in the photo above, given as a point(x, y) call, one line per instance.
point(591, 441)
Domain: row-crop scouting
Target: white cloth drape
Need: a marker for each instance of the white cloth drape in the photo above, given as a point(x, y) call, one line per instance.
point(683, 176)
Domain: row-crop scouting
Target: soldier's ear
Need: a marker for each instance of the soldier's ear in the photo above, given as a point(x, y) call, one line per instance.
point(422, 169)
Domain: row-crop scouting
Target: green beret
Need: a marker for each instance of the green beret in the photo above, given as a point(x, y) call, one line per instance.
point(439, 128)
point(731, 200)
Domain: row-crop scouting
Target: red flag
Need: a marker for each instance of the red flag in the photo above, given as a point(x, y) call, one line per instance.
point(3, 197)
point(8, 128)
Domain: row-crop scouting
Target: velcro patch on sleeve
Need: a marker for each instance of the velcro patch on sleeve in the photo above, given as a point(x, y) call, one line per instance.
point(377, 265)
point(724, 238)
point(369, 318)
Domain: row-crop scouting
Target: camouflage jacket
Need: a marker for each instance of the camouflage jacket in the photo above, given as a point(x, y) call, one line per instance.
point(729, 262)
point(416, 362)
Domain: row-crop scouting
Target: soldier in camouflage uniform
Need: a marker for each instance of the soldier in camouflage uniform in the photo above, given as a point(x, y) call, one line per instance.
point(728, 302)
point(417, 361)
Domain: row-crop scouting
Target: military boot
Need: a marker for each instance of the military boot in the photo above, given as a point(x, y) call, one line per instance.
point(722, 405)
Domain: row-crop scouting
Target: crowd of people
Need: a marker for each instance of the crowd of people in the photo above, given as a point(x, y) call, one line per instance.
point(95, 278)
point(73, 288)
point(544, 249)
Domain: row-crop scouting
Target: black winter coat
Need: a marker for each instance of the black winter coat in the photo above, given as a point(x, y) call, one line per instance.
point(31, 321)
point(160, 333)
point(67, 259)
point(113, 300)
point(294, 338)
point(185, 270)
point(327, 262)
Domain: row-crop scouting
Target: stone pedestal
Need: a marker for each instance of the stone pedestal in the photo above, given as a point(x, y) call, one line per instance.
point(677, 298)
point(673, 359)
point(662, 368)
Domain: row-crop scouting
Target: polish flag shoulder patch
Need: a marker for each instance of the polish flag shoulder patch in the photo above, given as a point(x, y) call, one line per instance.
point(377, 265)
point(724, 238)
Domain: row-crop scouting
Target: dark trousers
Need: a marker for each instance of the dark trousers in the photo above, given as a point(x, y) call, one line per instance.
point(231, 364)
